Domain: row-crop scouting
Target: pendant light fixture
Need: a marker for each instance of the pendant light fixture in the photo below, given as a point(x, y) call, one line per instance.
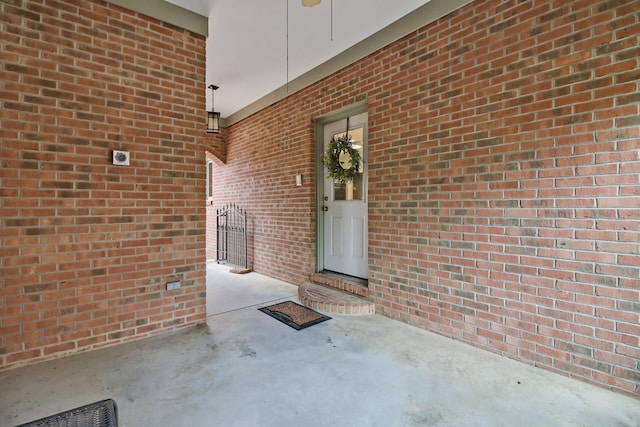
point(213, 117)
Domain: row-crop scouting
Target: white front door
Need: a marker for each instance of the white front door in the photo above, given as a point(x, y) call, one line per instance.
point(345, 207)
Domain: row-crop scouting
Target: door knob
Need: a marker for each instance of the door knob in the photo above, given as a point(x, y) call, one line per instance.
point(325, 208)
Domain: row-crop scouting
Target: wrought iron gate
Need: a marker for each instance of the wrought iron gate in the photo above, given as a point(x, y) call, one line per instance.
point(231, 237)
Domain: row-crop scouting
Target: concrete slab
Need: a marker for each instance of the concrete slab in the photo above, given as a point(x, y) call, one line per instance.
point(228, 291)
point(244, 368)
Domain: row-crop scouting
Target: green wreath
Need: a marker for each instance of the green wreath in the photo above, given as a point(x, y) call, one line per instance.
point(341, 159)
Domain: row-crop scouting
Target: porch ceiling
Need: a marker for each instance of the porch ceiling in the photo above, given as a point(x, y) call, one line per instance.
point(256, 47)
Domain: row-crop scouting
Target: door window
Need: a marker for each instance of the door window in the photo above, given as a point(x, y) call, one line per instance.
point(354, 189)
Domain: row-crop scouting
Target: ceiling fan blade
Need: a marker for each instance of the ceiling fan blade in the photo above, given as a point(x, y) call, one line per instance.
point(310, 3)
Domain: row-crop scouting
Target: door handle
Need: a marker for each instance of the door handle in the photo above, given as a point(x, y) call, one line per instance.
point(325, 208)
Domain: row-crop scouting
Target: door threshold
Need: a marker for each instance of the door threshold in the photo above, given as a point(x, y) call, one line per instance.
point(354, 279)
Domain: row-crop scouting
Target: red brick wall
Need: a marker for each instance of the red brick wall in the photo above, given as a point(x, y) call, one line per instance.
point(263, 158)
point(216, 146)
point(504, 187)
point(87, 247)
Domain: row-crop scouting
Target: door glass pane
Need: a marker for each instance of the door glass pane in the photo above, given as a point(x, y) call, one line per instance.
point(354, 189)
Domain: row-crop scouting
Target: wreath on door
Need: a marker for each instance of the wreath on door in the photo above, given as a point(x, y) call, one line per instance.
point(341, 159)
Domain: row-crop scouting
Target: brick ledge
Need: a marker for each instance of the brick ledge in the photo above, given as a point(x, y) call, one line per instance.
point(333, 301)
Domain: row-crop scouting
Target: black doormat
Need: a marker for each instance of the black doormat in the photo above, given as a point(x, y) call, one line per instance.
point(99, 414)
point(295, 315)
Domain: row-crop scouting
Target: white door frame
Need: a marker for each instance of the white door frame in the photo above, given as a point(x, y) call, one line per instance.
point(320, 122)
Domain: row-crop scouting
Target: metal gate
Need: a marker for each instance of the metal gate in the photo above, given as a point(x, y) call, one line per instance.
point(231, 237)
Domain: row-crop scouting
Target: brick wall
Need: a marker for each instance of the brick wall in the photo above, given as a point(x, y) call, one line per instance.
point(504, 187)
point(263, 158)
point(216, 146)
point(87, 247)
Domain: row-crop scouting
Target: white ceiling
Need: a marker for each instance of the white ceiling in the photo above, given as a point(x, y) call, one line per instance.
point(254, 48)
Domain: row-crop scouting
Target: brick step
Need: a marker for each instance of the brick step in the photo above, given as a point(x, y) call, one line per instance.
point(333, 301)
point(351, 285)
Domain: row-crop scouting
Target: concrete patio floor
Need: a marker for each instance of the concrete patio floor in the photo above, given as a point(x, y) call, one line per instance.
point(244, 368)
